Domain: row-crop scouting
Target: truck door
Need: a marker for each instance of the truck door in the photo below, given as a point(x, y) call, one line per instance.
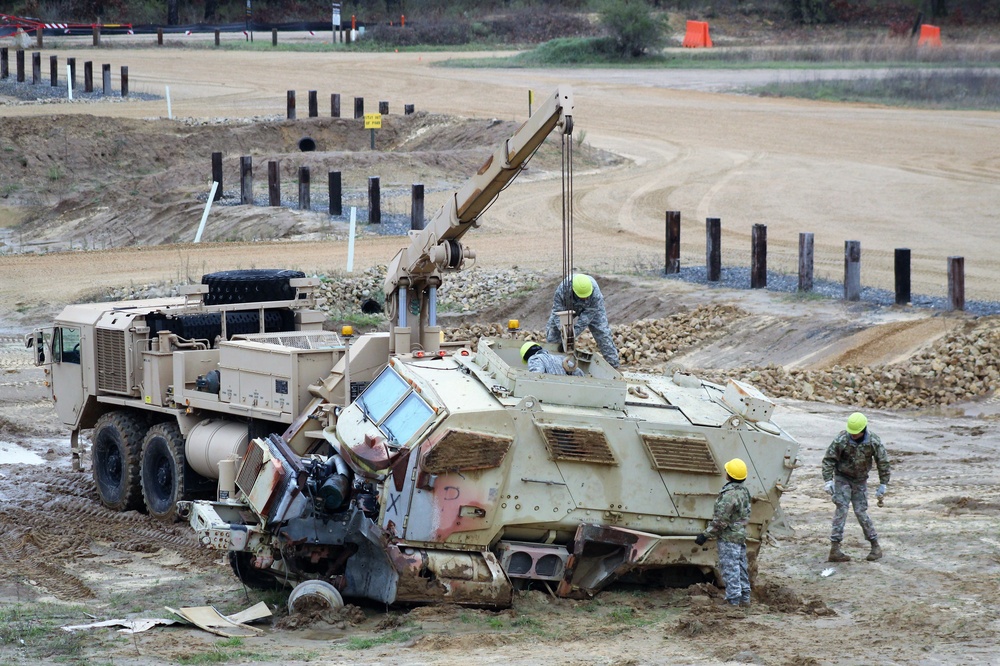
point(67, 373)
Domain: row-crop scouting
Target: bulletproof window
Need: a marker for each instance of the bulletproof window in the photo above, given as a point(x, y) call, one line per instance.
point(394, 407)
point(67, 345)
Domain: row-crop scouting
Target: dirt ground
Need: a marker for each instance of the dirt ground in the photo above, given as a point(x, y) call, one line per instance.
point(888, 177)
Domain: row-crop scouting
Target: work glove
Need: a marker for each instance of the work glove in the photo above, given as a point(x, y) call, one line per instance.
point(829, 487)
point(700, 539)
point(882, 490)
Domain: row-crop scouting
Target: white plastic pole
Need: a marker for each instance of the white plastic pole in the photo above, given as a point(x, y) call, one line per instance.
point(69, 84)
point(208, 207)
point(350, 241)
point(170, 113)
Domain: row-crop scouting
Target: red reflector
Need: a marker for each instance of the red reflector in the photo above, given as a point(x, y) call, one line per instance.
point(464, 352)
point(418, 354)
point(442, 353)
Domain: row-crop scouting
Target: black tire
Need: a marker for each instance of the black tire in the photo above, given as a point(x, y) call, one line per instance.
point(166, 477)
point(115, 453)
point(249, 286)
point(250, 576)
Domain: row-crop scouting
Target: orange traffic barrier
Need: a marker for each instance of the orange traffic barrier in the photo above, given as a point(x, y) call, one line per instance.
point(930, 35)
point(697, 35)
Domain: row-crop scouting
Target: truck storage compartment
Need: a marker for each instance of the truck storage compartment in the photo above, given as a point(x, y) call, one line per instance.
point(208, 325)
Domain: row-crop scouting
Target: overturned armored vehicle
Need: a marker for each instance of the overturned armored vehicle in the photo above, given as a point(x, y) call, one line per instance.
point(457, 476)
point(442, 473)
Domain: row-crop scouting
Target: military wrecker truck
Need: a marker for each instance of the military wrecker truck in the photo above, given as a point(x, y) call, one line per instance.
point(393, 466)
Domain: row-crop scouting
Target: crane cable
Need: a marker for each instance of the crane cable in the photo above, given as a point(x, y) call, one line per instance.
point(567, 206)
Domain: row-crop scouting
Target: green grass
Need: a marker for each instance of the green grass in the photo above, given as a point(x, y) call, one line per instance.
point(965, 89)
point(397, 636)
point(224, 652)
point(35, 630)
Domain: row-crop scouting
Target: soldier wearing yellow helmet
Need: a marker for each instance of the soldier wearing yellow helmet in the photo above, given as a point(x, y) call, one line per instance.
point(581, 294)
point(729, 527)
point(846, 466)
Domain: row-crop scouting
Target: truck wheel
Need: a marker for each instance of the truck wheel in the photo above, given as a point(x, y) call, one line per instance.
point(117, 445)
point(251, 576)
point(164, 471)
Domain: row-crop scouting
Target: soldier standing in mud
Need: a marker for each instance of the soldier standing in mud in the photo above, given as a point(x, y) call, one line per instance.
point(846, 466)
point(729, 526)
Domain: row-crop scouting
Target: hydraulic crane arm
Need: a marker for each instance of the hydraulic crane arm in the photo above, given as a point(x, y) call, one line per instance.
point(415, 272)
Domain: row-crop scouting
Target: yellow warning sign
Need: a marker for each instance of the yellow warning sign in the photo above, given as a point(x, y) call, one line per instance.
point(373, 121)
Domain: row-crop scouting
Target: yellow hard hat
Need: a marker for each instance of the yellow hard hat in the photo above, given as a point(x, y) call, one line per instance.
point(583, 286)
point(737, 469)
point(525, 348)
point(856, 422)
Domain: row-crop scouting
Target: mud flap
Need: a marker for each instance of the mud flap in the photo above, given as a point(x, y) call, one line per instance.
point(601, 554)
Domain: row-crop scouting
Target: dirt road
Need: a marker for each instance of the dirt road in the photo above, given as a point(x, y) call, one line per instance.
point(925, 180)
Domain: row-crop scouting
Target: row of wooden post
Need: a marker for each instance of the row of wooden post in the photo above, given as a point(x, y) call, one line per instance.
point(334, 187)
point(758, 262)
point(36, 71)
point(95, 31)
point(342, 36)
point(359, 106)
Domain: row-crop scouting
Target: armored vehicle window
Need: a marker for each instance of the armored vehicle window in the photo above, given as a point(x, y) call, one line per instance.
point(67, 345)
point(411, 415)
point(382, 394)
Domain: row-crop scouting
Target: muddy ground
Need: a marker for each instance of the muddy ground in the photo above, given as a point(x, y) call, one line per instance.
point(931, 600)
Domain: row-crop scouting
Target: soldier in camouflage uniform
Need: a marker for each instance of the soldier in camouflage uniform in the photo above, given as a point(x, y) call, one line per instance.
point(729, 526)
point(540, 360)
point(581, 294)
point(846, 466)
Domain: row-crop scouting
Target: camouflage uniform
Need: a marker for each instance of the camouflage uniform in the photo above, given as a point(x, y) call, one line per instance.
point(590, 314)
point(848, 463)
point(729, 526)
point(543, 361)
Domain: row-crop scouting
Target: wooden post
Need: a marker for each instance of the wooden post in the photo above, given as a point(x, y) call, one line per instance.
point(902, 270)
point(313, 104)
point(805, 262)
point(335, 105)
point(672, 263)
point(72, 72)
point(417, 221)
point(713, 249)
point(383, 108)
point(36, 68)
point(359, 107)
point(217, 174)
point(54, 71)
point(274, 36)
point(217, 36)
point(106, 78)
point(852, 270)
point(4, 63)
point(374, 202)
point(159, 36)
point(88, 76)
point(758, 256)
point(246, 180)
point(407, 109)
point(19, 57)
point(290, 105)
point(38, 38)
point(97, 35)
point(333, 181)
point(303, 188)
point(124, 80)
point(273, 183)
point(956, 283)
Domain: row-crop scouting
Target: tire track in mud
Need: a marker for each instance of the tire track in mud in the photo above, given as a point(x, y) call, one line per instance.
point(58, 522)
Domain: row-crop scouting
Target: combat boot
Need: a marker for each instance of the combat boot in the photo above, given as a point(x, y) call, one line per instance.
point(837, 555)
point(876, 552)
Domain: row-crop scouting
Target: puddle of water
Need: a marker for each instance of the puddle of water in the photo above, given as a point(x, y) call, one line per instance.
point(12, 454)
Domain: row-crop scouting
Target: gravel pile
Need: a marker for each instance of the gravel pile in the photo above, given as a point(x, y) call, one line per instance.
point(960, 367)
point(43, 93)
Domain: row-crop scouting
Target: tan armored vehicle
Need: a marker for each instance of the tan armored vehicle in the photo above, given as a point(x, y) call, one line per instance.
point(394, 467)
